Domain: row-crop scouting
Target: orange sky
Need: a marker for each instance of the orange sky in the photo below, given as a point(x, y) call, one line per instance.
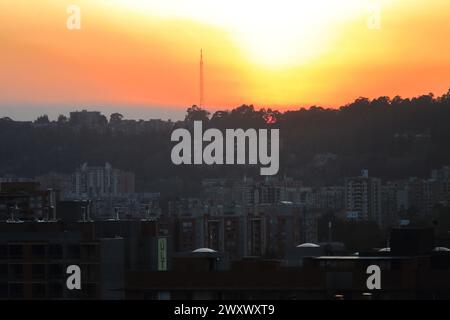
point(282, 54)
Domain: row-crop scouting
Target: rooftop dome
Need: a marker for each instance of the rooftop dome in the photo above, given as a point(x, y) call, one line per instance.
point(441, 249)
point(308, 245)
point(204, 250)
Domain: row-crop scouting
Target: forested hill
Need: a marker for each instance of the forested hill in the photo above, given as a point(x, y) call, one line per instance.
point(393, 138)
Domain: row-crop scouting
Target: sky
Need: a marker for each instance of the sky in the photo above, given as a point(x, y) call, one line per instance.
point(141, 57)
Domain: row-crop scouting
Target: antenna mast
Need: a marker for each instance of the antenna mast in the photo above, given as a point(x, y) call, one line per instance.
point(201, 78)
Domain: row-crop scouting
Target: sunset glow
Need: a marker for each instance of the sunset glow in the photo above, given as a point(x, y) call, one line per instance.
point(271, 33)
point(281, 54)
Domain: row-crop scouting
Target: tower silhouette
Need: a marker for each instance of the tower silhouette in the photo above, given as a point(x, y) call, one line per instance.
point(201, 79)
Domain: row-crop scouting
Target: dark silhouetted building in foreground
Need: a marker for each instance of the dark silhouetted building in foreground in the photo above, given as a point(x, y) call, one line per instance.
point(34, 257)
point(411, 269)
point(26, 201)
point(143, 258)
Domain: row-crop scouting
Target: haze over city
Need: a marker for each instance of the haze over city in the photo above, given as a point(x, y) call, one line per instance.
point(257, 153)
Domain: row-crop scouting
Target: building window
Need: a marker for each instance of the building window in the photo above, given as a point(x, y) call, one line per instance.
point(16, 290)
point(89, 252)
point(73, 251)
point(15, 251)
point(91, 272)
point(38, 251)
point(38, 290)
point(91, 290)
point(55, 251)
point(16, 271)
point(38, 271)
point(55, 271)
point(3, 271)
point(55, 290)
point(3, 290)
point(3, 252)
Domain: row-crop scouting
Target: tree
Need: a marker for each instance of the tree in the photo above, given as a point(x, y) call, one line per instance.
point(42, 120)
point(115, 118)
point(271, 116)
point(219, 116)
point(62, 119)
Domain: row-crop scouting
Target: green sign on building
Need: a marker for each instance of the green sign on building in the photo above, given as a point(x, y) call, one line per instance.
point(162, 254)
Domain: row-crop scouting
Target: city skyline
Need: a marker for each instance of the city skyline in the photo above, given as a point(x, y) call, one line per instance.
point(225, 158)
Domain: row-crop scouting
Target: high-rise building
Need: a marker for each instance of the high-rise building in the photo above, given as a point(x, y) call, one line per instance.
point(395, 202)
point(363, 197)
point(102, 181)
